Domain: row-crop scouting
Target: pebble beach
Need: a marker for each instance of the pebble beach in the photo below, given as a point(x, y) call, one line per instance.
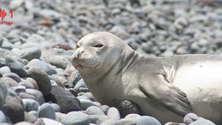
point(38, 84)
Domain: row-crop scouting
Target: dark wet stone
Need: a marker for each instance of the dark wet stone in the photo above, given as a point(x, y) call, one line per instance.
point(126, 107)
point(64, 99)
point(42, 79)
point(15, 66)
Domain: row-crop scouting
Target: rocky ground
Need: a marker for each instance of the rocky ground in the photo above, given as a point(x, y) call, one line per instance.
point(38, 83)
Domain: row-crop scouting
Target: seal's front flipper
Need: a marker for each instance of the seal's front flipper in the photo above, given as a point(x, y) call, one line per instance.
point(170, 96)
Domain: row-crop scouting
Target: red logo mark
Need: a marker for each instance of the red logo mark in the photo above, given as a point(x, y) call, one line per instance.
point(3, 13)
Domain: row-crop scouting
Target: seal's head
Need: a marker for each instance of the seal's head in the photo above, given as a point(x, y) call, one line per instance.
point(96, 53)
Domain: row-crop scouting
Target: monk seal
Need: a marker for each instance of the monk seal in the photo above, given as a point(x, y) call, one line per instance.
point(166, 88)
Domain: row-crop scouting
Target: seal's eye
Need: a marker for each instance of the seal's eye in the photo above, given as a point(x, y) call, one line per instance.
point(98, 45)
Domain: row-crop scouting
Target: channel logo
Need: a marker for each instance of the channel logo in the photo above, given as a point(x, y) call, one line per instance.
point(3, 14)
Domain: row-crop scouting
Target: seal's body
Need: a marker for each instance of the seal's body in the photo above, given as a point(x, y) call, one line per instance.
point(164, 87)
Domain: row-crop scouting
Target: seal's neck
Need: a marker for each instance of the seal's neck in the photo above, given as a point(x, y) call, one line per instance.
point(120, 66)
point(126, 61)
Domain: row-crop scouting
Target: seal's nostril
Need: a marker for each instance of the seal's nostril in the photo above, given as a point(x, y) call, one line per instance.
point(78, 54)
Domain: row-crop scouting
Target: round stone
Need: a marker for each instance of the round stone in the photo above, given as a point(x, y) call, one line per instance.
point(9, 82)
point(113, 113)
point(80, 84)
point(6, 52)
point(93, 110)
point(126, 122)
point(174, 123)
point(56, 107)
point(189, 118)
point(27, 84)
point(202, 121)
point(89, 95)
point(46, 110)
point(31, 44)
point(11, 92)
point(35, 113)
point(59, 61)
point(30, 105)
point(142, 120)
point(82, 97)
point(30, 53)
point(19, 89)
point(36, 63)
point(98, 119)
point(47, 54)
point(59, 116)
point(109, 122)
point(4, 70)
point(61, 81)
point(23, 123)
point(74, 77)
point(33, 82)
point(85, 103)
point(131, 116)
point(47, 121)
point(37, 94)
point(30, 117)
point(76, 118)
point(104, 108)
point(13, 76)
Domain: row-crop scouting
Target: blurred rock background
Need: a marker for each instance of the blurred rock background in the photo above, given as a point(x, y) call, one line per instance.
point(152, 27)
